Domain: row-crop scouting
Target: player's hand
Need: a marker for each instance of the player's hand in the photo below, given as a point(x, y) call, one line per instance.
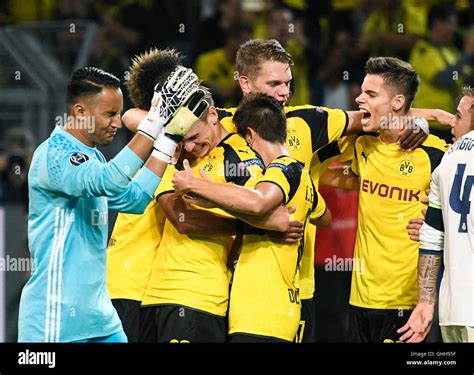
point(168, 98)
point(295, 231)
point(419, 324)
point(413, 227)
point(413, 134)
point(182, 180)
point(174, 131)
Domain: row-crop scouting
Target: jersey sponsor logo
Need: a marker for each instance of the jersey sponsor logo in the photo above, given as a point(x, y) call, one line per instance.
point(78, 158)
point(391, 192)
point(406, 168)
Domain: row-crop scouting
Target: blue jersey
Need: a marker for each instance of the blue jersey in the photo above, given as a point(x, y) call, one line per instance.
point(71, 188)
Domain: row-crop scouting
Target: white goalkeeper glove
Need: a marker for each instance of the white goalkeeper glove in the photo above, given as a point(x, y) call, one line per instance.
point(168, 98)
point(167, 141)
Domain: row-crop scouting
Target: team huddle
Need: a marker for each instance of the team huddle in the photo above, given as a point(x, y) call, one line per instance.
point(215, 237)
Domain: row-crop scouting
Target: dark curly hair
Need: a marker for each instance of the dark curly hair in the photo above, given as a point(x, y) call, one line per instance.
point(147, 69)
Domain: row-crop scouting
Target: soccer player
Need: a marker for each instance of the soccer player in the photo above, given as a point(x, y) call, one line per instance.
point(264, 302)
point(392, 184)
point(135, 238)
point(187, 295)
point(263, 66)
point(71, 188)
point(448, 236)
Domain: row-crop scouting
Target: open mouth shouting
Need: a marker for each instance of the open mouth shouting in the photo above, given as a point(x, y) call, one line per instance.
point(366, 115)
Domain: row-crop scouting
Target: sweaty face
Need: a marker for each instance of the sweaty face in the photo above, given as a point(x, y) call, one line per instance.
point(463, 121)
point(273, 79)
point(375, 102)
point(103, 114)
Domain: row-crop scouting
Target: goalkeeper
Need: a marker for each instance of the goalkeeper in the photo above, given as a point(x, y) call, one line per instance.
point(71, 188)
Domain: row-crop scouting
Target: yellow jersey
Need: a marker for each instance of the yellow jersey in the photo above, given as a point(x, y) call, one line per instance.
point(131, 252)
point(265, 296)
point(309, 129)
point(392, 184)
point(341, 150)
point(192, 270)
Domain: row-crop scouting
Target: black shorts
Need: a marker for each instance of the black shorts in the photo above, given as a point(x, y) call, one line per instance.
point(247, 338)
point(376, 325)
point(181, 324)
point(129, 313)
point(306, 330)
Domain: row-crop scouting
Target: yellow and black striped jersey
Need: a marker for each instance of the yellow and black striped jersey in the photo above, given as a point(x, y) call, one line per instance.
point(264, 295)
point(392, 184)
point(314, 138)
point(192, 270)
point(309, 128)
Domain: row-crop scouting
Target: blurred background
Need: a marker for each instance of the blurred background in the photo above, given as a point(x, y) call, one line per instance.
point(43, 41)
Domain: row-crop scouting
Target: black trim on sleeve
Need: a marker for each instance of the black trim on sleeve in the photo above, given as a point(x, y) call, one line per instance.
point(235, 169)
point(222, 113)
point(293, 176)
point(435, 155)
point(346, 125)
point(434, 218)
point(316, 199)
point(330, 150)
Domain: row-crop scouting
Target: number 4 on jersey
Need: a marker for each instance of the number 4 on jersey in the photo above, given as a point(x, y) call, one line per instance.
point(461, 205)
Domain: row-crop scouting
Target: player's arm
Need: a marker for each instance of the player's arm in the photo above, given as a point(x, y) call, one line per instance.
point(429, 264)
point(320, 216)
point(132, 118)
point(409, 138)
point(235, 198)
point(78, 174)
point(340, 178)
point(192, 221)
point(438, 115)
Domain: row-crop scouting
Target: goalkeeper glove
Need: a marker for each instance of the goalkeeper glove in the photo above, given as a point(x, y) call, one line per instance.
point(173, 133)
point(168, 98)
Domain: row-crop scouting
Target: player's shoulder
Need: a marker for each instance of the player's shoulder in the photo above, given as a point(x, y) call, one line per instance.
point(287, 164)
point(223, 113)
point(436, 142)
point(236, 149)
point(62, 149)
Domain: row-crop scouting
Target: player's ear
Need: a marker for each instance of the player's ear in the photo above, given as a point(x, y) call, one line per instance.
point(212, 116)
point(398, 102)
point(250, 136)
point(79, 109)
point(244, 83)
